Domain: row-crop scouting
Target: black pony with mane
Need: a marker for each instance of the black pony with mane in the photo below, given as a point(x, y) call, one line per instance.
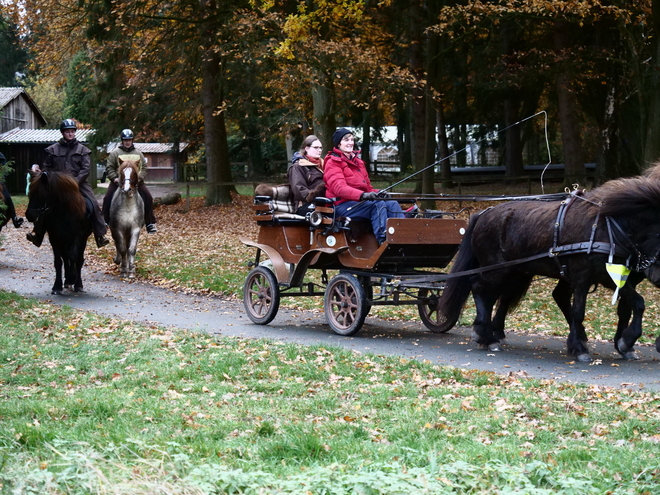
point(55, 202)
point(505, 246)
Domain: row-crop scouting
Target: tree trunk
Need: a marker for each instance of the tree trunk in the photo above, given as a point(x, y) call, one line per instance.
point(324, 110)
point(428, 176)
point(568, 113)
point(218, 167)
point(513, 149)
point(652, 141)
point(365, 146)
point(418, 96)
point(443, 144)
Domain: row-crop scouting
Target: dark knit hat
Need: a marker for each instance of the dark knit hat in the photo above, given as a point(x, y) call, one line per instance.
point(339, 134)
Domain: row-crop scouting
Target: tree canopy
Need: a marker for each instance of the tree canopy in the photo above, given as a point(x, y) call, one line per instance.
point(200, 70)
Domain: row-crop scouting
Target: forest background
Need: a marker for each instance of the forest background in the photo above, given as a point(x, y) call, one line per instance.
point(240, 75)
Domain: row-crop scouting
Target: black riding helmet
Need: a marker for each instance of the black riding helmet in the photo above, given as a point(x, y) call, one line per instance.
point(126, 134)
point(68, 124)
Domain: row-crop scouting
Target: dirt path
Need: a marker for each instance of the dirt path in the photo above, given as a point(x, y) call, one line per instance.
point(28, 270)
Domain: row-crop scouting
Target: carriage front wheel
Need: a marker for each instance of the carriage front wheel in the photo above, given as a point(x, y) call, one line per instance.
point(261, 295)
point(345, 304)
point(432, 318)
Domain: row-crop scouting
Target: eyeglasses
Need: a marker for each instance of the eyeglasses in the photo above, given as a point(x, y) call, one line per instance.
point(316, 147)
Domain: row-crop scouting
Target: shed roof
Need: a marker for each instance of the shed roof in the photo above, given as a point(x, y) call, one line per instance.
point(152, 147)
point(41, 136)
point(9, 94)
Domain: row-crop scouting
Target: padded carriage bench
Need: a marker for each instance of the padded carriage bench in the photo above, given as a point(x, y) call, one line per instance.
point(274, 205)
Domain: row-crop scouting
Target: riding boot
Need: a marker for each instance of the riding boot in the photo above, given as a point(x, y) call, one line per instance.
point(18, 221)
point(35, 238)
point(101, 241)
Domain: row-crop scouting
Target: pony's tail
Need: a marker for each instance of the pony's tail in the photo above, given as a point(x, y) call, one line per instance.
point(457, 289)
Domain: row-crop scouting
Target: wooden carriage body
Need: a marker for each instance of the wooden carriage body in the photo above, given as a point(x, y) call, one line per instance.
point(418, 247)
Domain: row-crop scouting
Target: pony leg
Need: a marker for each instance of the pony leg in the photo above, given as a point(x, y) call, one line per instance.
point(78, 286)
point(562, 296)
point(482, 329)
point(625, 338)
point(574, 344)
point(506, 304)
point(132, 251)
point(57, 286)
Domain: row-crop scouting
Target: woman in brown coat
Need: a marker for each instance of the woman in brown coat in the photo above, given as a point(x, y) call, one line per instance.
point(306, 174)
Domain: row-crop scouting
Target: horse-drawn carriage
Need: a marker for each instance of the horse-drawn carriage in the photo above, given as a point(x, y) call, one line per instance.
point(579, 238)
point(369, 274)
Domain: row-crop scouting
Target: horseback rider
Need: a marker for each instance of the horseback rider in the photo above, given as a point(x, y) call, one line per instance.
point(68, 155)
point(10, 211)
point(127, 151)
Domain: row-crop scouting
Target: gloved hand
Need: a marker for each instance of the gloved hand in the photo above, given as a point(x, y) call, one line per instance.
point(369, 196)
point(384, 195)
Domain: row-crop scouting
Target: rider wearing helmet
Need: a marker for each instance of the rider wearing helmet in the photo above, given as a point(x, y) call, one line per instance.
point(68, 155)
point(127, 151)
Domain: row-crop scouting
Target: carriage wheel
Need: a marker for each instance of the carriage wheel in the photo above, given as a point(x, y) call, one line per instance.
point(432, 318)
point(261, 295)
point(345, 304)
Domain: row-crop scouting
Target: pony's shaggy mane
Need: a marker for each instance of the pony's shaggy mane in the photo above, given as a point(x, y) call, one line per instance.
point(62, 188)
point(627, 196)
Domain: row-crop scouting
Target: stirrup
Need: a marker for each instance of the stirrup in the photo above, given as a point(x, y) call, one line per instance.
point(18, 221)
point(151, 228)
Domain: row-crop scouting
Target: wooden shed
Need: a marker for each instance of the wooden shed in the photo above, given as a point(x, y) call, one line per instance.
point(161, 159)
point(27, 146)
point(17, 110)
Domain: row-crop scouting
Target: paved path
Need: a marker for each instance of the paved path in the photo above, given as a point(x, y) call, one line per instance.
point(27, 270)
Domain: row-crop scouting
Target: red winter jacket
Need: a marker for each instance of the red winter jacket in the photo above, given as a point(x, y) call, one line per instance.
point(345, 179)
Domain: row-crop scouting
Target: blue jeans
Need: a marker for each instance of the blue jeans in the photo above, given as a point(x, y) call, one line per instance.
point(377, 212)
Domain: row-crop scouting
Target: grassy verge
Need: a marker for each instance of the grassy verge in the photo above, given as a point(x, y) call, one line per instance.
point(92, 405)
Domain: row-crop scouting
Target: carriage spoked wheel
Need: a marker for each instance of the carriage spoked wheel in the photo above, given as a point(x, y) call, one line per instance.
point(432, 318)
point(345, 304)
point(261, 295)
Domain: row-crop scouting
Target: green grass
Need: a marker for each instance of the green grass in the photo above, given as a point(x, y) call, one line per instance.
point(93, 405)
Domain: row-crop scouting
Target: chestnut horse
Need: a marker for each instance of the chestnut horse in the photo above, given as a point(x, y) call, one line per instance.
point(56, 202)
point(506, 245)
point(127, 217)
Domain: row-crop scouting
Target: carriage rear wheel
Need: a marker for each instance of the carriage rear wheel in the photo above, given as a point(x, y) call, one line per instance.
point(429, 313)
point(345, 304)
point(261, 295)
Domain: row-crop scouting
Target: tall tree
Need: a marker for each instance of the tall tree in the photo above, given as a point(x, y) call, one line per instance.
point(12, 56)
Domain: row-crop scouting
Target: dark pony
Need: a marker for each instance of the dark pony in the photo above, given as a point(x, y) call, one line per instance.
point(507, 245)
point(127, 217)
point(55, 202)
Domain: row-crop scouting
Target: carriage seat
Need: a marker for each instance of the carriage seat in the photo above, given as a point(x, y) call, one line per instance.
point(275, 205)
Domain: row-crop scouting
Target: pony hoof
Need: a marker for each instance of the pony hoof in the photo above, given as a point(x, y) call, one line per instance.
point(117, 261)
point(56, 292)
point(495, 347)
point(583, 358)
point(630, 356)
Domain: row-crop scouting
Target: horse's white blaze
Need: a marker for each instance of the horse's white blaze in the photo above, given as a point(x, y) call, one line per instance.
point(127, 179)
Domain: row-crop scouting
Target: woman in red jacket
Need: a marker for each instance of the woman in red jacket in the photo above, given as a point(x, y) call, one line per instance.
point(347, 181)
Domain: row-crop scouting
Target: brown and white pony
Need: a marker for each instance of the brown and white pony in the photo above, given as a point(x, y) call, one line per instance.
point(127, 217)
